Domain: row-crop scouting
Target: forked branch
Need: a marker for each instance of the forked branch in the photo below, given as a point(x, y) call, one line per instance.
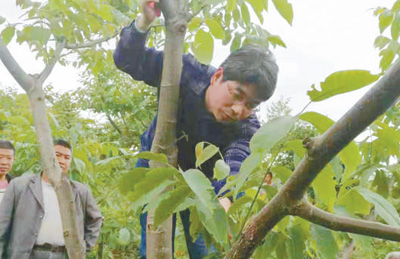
point(53, 61)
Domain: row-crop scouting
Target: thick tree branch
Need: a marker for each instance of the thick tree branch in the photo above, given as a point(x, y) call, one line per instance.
point(320, 151)
point(24, 80)
point(53, 61)
point(345, 224)
point(91, 43)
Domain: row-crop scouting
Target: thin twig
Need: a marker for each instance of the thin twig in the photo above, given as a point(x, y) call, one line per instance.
point(90, 43)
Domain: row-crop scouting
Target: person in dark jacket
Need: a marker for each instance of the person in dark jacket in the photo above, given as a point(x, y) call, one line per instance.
point(216, 104)
point(7, 158)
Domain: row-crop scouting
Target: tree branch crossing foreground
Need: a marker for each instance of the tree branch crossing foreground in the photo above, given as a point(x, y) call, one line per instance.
point(320, 150)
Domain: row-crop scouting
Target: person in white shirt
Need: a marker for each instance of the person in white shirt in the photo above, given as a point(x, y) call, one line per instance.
point(30, 220)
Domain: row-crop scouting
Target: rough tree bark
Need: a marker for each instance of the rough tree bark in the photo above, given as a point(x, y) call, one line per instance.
point(290, 199)
point(158, 240)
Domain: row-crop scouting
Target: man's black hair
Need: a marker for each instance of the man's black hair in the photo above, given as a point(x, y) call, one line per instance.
point(5, 144)
point(254, 65)
point(62, 142)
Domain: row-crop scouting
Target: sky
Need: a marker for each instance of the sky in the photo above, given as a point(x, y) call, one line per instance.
point(325, 37)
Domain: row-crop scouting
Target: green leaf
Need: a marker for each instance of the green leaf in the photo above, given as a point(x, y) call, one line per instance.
point(2, 19)
point(396, 6)
point(296, 245)
point(285, 9)
point(230, 6)
point(205, 154)
point(257, 5)
point(240, 204)
point(319, 121)
point(39, 34)
point(382, 207)
point(351, 158)
point(161, 158)
point(221, 170)
point(387, 58)
point(269, 246)
point(201, 186)
point(325, 242)
point(79, 165)
point(281, 172)
point(341, 82)
point(265, 4)
point(169, 203)
point(271, 133)
point(215, 28)
point(324, 187)
point(276, 40)
point(364, 243)
point(247, 167)
point(19, 120)
point(395, 29)
point(237, 41)
point(354, 202)
point(7, 34)
point(381, 42)
point(195, 224)
point(381, 183)
point(245, 13)
point(385, 19)
point(388, 138)
point(215, 220)
point(106, 13)
point(155, 181)
point(124, 237)
point(194, 23)
point(203, 47)
point(128, 180)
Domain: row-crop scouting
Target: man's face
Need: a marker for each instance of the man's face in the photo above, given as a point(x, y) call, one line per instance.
point(64, 157)
point(6, 160)
point(230, 100)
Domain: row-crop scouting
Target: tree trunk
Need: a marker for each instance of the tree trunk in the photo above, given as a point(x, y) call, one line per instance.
point(159, 240)
point(33, 87)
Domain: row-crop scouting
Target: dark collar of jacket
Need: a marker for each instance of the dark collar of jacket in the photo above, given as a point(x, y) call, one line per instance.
point(9, 178)
point(36, 187)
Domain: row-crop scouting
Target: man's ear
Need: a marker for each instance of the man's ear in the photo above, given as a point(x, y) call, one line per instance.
point(218, 75)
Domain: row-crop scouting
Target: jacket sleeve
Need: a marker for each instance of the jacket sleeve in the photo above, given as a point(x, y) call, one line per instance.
point(238, 150)
point(93, 220)
point(132, 57)
point(6, 218)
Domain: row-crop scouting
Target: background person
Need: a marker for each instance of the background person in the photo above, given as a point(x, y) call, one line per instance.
point(7, 158)
point(30, 219)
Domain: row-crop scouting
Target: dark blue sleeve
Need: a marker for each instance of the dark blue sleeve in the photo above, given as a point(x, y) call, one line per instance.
point(237, 151)
point(132, 57)
point(145, 64)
